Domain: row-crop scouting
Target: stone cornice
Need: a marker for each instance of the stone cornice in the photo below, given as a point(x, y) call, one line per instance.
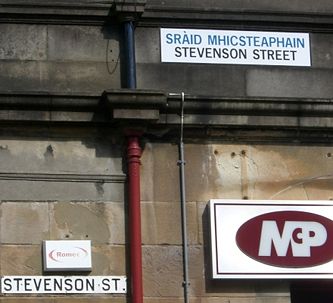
point(242, 20)
point(157, 113)
point(100, 11)
point(69, 12)
point(252, 15)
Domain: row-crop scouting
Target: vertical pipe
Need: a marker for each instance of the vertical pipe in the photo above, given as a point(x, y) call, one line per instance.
point(133, 160)
point(181, 164)
point(130, 54)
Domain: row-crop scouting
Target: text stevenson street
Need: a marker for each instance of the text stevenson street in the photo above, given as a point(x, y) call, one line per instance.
point(234, 53)
point(235, 47)
point(63, 284)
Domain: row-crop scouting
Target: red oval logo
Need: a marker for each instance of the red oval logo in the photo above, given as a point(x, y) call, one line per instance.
point(63, 255)
point(287, 239)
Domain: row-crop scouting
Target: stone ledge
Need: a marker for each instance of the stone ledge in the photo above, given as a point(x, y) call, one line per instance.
point(158, 112)
point(66, 11)
point(222, 15)
point(63, 177)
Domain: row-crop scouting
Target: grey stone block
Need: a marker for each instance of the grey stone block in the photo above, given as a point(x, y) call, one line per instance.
point(83, 43)
point(213, 80)
point(23, 223)
point(23, 76)
point(83, 76)
point(59, 76)
point(322, 50)
point(289, 82)
point(161, 223)
point(20, 190)
point(103, 223)
point(20, 260)
point(85, 156)
point(108, 260)
point(159, 171)
point(306, 6)
point(147, 44)
point(162, 271)
point(23, 42)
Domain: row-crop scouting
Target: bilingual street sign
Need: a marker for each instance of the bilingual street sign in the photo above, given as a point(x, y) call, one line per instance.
point(235, 47)
point(271, 239)
point(63, 284)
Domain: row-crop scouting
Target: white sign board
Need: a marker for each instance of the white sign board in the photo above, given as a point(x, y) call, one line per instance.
point(235, 47)
point(67, 255)
point(271, 239)
point(63, 285)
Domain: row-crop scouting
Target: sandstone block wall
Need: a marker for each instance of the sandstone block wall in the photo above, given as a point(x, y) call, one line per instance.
point(68, 180)
point(61, 188)
point(218, 171)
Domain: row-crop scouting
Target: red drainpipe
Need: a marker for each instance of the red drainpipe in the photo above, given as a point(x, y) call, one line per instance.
point(134, 152)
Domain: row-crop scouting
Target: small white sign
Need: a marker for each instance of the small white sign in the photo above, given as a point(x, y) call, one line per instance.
point(235, 47)
point(63, 285)
point(271, 239)
point(67, 255)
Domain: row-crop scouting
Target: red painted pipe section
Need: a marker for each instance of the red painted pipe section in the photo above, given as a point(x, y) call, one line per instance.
point(133, 161)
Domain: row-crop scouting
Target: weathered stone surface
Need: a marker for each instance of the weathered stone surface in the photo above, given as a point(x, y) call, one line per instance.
point(203, 223)
point(92, 299)
point(147, 36)
point(30, 75)
point(322, 50)
point(87, 155)
point(73, 169)
point(272, 289)
point(14, 190)
point(236, 171)
point(56, 76)
point(26, 300)
point(103, 223)
point(23, 223)
point(302, 83)
point(246, 300)
point(204, 177)
point(68, 299)
point(59, 58)
point(290, 172)
point(109, 260)
point(20, 260)
point(171, 300)
point(209, 172)
point(298, 6)
point(192, 78)
point(162, 223)
point(252, 291)
point(23, 42)
point(83, 77)
point(280, 299)
point(160, 173)
point(84, 43)
point(162, 271)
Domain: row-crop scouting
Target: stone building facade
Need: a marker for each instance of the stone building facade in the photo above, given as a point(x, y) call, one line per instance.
point(250, 132)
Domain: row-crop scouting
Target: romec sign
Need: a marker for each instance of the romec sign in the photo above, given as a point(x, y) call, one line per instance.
point(271, 239)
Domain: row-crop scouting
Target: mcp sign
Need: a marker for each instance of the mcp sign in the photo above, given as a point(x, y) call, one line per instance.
point(272, 239)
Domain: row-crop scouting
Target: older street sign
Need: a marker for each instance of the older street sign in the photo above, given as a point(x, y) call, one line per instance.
point(63, 285)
